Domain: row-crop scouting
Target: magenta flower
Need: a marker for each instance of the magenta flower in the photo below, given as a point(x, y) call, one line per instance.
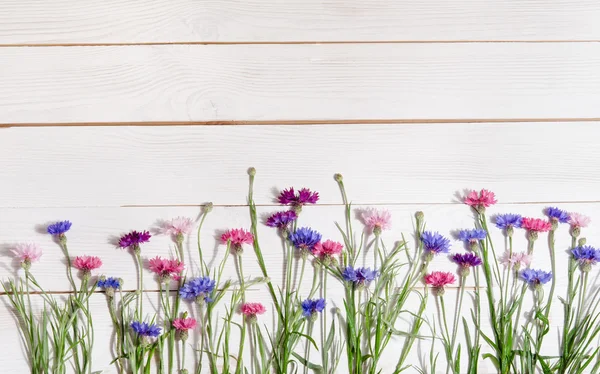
point(237, 238)
point(166, 268)
point(27, 253)
point(327, 251)
point(282, 220)
point(439, 279)
point(184, 324)
point(87, 263)
point(251, 310)
point(535, 224)
point(480, 200)
point(133, 240)
point(376, 220)
point(466, 261)
point(177, 226)
point(297, 200)
point(516, 260)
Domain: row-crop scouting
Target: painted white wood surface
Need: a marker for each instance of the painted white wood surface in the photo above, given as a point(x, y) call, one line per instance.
point(138, 21)
point(189, 83)
point(383, 164)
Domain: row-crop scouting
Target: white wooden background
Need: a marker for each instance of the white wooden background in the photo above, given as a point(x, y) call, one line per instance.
point(117, 113)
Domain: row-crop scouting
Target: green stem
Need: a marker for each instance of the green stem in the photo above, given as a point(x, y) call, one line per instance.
point(457, 312)
point(140, 312)
point(239, 365)
point(324, 353)
point(445, 325)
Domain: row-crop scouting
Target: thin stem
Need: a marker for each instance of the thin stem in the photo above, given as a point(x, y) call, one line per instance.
point(239, 365)
point(324, 353)
point(457, 313)
point(141, 284)
point(445, 326)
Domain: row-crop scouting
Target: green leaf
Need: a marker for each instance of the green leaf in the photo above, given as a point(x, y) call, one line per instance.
point(307, 363)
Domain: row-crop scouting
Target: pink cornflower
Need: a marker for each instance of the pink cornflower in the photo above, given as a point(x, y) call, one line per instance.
point(535, 226)
point(182, 325)
point(376, 220)
point(439, 279)
point(327, 250)
point(480, 201)
point(87, 263)
point(237, 237)
point(166, 268)
point(251, 310)
point(578, 220)
point(27, 253)
point(177, 226)
point(516, 260)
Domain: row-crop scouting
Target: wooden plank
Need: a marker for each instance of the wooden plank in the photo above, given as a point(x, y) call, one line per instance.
point(220, 83)
point(136, 21)
point(383, 164)
point(95, 231)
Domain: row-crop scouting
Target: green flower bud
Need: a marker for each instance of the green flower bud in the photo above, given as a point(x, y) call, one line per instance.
point(252, 172)
point(419, 215)
point(208, 207)
point(575, 232)
point(338, 177)
point(581, 242)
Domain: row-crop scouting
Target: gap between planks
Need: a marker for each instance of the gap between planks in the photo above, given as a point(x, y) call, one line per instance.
point(298, 42)
point(302, 122)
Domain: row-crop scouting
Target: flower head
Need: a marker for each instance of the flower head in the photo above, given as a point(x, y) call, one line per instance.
point(198, 289)
point(534, 226)
point(557, 215)
point(310, 307)
point(166, 268)
point(177, 227)
point(110, 285)
point(578, 220)
point(376, 220)
point(251, 310)
point(516, 260)
point(360, 277)
point(536, 277)
point(87, 263)
point(297, 200)
point(434, 243)
point(304, 239)
point(27, 253)
point(133, 240)
point(472, 236)
point(439, 279)
point(182, 325)
point(480, 201)
point(327, 251)
point(59, 228)
point(237, 238)
point(586, 256)
point(144, 329)
point(466, 261)
point(508, 222)
point(282, 220)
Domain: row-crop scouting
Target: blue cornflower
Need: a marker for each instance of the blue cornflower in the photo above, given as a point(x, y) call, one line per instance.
point(587, 256)
point(59, 228)
point(145, 329)
point(310, 307)
point(304, 238)
point(109, 283)
point(508, 220)
point(536, 277)
point(435, 243)
point(473, 235)
point(557, 215)
point(359, 276)
point(197, 289)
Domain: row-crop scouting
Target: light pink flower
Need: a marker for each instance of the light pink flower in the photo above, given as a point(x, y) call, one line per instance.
point(577, 220)
point(27, 252)
point(252, 309)
point(184, 324)
point(177, 226)
point(87, 263)
point(439, 279)
point(166, 268)
point(327, 248)
point(535, 224)
point(517, 260)
point(480, 201)
point(376, 220)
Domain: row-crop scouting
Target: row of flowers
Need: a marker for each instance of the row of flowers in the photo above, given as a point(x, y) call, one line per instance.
point(360, 329)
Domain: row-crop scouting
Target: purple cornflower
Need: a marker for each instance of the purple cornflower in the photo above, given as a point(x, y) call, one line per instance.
point(297, 200)
point(587, 256)
point(197, 289)
point(536, 278)
point(434, 243)
point(304, 239)
point(310, 307)
point(557, 215)
point(144, 329)
point(281, 220)
point(466, 261)
point(59, 228)
point(473, 235)
point(359, 276)
point(134, 239)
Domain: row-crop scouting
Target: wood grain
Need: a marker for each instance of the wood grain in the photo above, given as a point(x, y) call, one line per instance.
point(299, 83)
point(137, 21)
point(423, 163)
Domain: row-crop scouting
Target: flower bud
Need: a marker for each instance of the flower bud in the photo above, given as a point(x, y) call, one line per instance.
point(208, 207)
point(581, 242)
point(575, 231)
point(338, 177)
point(183, 371)
point(337, 311)
point(419, 215)
point(252, 172)
point(121, 283)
